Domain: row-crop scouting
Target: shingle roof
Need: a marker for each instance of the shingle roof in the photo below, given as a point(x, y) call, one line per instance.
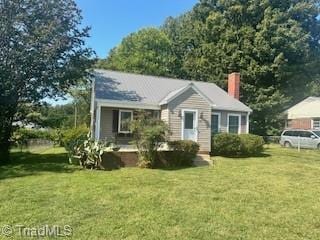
point(111, 85)
point(308, 108)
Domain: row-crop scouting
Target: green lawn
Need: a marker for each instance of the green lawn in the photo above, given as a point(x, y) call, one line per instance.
point(271, 197)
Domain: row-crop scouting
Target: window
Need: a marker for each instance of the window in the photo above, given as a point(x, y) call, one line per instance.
point(156, 114)
point(125, 116)
point(188, 120)
point(305, 134)
point(215, 123)
point(233, 123)
point(288, 133)
point(317, 133)
point(316, 124)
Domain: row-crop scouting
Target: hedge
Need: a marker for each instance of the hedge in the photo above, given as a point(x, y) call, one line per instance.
point(181, 153)
point(230, 145)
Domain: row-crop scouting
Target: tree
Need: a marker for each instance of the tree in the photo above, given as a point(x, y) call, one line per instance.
point(147, 51)
point(274, 44)
point(42, 54)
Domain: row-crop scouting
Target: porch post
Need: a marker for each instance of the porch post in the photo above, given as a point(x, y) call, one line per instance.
point(98, 116)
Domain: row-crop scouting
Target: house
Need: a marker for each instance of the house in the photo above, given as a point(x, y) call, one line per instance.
point(193, 110)
point(304, 115)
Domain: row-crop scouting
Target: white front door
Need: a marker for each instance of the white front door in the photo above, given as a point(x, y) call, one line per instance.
point(190, 125)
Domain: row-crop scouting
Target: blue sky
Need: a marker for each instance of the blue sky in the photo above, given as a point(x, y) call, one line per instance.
point(111, 20)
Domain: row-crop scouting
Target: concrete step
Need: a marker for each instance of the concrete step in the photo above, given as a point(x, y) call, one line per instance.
point(203, 160)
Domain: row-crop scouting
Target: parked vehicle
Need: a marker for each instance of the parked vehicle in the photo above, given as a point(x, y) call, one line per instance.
point(302, 138)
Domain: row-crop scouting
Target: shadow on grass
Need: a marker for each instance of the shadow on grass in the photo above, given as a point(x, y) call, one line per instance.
point(175, 168)
point(26, 163)
point(244, 157)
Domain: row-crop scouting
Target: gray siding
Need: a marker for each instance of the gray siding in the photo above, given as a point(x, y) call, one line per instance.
point(191, 100)
point(164, 114)
point(170, 114)
point(224, 120)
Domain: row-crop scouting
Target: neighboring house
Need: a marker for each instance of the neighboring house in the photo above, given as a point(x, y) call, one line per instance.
point(193, 110)
point(304, 115)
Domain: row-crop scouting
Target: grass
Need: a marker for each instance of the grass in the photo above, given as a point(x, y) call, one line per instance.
point(271, 197)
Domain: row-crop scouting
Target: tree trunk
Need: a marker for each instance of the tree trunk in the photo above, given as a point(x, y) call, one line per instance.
point(6, 119)
point(4, 151)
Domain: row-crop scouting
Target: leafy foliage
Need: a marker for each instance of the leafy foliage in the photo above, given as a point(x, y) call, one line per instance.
point(148, 51)
point(21, 136)
point(231, 145)
point(251, 145)
point(181, 153)
point(33, 134)
point(226, 144)
point(149, 134)
point(42, 54)
point(74, 137)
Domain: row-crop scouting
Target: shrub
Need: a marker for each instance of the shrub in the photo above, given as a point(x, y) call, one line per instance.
point(74, 136)
point(21, 136)
point(88, 152)
point(232, 145)
point(33, 134)
point(226, 144)
point(182, 154)
point(251, 144)
point(148, 135)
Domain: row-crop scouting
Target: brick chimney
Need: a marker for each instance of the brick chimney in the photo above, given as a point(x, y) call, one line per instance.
point(234, 85)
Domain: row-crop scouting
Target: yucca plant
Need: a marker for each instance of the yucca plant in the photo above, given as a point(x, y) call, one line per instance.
point(93, 151)
point(88, 152)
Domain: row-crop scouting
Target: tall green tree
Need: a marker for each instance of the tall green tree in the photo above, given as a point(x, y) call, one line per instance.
point(42, 54)
point(147, 51)
point(274, 44)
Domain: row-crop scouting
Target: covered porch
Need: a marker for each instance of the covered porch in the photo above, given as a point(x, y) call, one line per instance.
point(112, 122)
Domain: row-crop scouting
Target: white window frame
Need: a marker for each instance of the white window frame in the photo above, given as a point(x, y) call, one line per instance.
point(318, 120)
point(196, 122)
point(119, 120)
point(219, 121)
point(239, 122)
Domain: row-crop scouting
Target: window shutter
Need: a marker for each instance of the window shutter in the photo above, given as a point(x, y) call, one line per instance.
point(115, 120)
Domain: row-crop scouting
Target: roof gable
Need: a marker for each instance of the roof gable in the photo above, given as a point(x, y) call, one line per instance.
point(176, 93)
point(308, 108)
